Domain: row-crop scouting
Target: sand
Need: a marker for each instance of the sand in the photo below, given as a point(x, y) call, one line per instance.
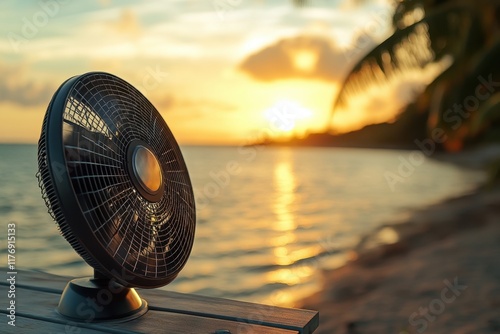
point(441, 276)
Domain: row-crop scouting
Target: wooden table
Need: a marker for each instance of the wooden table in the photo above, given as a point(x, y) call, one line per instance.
point(37, 295)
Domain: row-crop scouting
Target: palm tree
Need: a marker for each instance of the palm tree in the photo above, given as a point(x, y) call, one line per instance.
point(462, 38)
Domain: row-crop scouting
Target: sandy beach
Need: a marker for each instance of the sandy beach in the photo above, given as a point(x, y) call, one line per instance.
point(438, 272)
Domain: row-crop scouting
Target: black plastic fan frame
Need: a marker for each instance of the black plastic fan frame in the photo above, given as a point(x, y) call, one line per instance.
point(174, 197)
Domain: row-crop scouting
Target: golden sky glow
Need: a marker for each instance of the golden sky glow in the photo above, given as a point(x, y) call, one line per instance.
point(213, 73)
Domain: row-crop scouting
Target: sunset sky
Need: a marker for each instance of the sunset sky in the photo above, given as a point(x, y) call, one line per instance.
point(219, 71)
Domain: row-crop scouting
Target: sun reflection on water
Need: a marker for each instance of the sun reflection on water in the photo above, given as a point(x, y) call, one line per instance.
point(285, 252)
point(284, 188)
point(285, 184)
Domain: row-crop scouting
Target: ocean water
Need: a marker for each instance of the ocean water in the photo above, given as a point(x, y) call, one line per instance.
point(268, 219)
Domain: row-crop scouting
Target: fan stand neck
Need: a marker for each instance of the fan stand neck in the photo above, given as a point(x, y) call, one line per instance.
point(98, 299)
point(99, 275)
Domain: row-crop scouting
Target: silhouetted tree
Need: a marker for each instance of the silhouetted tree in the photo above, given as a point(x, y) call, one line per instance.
point(462, 36)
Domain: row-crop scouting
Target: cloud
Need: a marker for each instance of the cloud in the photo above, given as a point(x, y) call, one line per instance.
point(308, 57)
point(170, 103)
point(16, 89)
point(127, 23)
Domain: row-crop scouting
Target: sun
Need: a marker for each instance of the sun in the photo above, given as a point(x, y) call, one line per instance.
point(305, 60)
point(285, 116)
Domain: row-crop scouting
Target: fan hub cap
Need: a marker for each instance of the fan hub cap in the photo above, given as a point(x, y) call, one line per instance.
point(147, 169)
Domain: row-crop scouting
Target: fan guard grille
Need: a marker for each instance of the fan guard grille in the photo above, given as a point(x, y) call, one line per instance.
point(102, 115)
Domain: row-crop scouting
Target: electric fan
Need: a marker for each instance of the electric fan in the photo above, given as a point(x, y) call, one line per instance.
point(114, 180)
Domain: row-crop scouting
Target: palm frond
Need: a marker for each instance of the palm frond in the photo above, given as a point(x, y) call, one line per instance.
point(451, 30)
point(403, 10)
point(299, 3)
point(481, 84)
point(485, 65)
point(466, 100)
point(487, 113)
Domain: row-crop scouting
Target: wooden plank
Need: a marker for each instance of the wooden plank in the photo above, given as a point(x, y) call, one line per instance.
point(41, 306)
point(302, 321)
point(28, 325)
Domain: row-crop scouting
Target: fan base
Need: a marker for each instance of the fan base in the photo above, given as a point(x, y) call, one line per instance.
point(100, 299)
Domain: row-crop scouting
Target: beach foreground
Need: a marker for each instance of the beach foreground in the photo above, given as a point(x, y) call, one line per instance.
point(439, 274)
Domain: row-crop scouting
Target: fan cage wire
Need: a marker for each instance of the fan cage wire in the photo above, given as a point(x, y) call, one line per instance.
point(51, 200)
point(128, 116)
